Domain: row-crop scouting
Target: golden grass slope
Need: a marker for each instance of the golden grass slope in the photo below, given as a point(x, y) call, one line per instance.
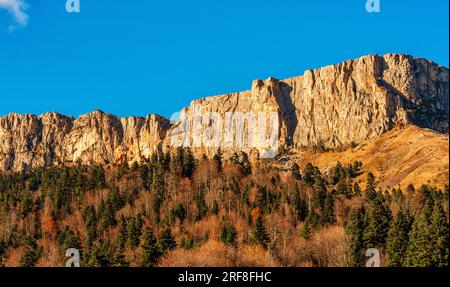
point(409, 155)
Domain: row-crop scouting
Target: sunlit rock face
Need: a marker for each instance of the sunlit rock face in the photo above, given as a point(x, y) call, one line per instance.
point(332, 107)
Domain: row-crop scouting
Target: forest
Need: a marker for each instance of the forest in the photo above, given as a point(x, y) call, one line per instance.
point(177, 210)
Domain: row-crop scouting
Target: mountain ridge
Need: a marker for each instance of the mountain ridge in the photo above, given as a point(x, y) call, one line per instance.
point(333, 106)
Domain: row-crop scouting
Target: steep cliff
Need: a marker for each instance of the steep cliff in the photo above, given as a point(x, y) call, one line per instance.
point(331, 107)
point(28, 141)
point(335, 105)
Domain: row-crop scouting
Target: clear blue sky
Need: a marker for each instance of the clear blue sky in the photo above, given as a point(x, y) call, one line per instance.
point(137, 57)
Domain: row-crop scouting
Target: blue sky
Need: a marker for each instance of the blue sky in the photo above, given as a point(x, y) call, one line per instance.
point(137, 57)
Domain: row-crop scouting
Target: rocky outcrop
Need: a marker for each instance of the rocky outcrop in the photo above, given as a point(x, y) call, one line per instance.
point(331, 107)
point(28, 141)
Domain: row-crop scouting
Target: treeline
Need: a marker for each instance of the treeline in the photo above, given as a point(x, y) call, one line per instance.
point(169, 210)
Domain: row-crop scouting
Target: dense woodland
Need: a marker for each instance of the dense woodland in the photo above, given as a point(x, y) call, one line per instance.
point(175, 210)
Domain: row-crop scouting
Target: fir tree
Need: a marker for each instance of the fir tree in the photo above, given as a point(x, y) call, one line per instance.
point(149, 249)
point(260, 235)
point(377, 224)
point(228, 234)
point(328, 212)
point(420, 244)
point(354, 230)
point(133, 232)
point(306, 230)
point(295, 171)
point(398, 236)
point(31, 253)
point(439, 236)
point(166, 241)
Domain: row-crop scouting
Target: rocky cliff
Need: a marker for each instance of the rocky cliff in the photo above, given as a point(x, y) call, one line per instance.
point(28, 141)
point(331, 107)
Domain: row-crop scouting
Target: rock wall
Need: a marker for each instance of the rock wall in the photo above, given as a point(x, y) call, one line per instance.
point(28, 141)
point(332, 106)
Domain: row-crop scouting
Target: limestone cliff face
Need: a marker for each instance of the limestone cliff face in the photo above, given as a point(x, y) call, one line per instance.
point(331, 106)
point(339, 104)
point(28, 141)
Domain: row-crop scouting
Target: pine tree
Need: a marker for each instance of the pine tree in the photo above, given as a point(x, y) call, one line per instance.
point(166, 241)
point(420, 244)
point(228, 234)
point(133, 232)
point(149, 249)
point(356, 190)
point(189, 163)
point(306, 230)
point(377, 224)
point(439, 236)
point(300, 207)
point(123, 233)
point(398, 236)
point(260, 235)
point(328, 212)
point(354, 230)
point(370, 192)
point(31, 253)
point(295, 171)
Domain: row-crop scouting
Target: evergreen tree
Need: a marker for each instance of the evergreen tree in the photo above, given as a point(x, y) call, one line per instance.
point(377, 224)
point(370, 192)
point(439, 236)
point(420, 243)
point(354, 231)
point(149, 249)
point(295, 171)
point(123, 233)
point(166, 241)
point(218, 159)
point(260, 235)
point(215, 208)
point(133, 232)
point(306, 230)
point(328, 212)
point(356, 190)
point(31, 253)
point(189, 163)
point(300, 207)
point(398, 236)
point(228, 234)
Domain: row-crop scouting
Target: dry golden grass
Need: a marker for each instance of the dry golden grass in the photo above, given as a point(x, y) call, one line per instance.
point(410, 155)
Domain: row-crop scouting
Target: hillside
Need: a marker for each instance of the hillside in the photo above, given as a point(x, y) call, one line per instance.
point(400, 157)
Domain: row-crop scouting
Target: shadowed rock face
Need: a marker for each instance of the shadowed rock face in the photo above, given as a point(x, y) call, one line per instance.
point(332, 106)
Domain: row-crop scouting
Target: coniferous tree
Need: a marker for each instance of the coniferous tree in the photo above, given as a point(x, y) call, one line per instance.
point(328, 213)
point(439, 236)
point(300, 207)
point(228, 234)
point(398, 236)
point(306, 230)
point(370, 192)
point(295, 171)
point(356, 190)
point(354, 231)
point(166, 241)
point(149, 249)
point(133, 232)
point(123, 233)
point(377, 224)
point(260, 235)
point(31, 253)
point(420, 244)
